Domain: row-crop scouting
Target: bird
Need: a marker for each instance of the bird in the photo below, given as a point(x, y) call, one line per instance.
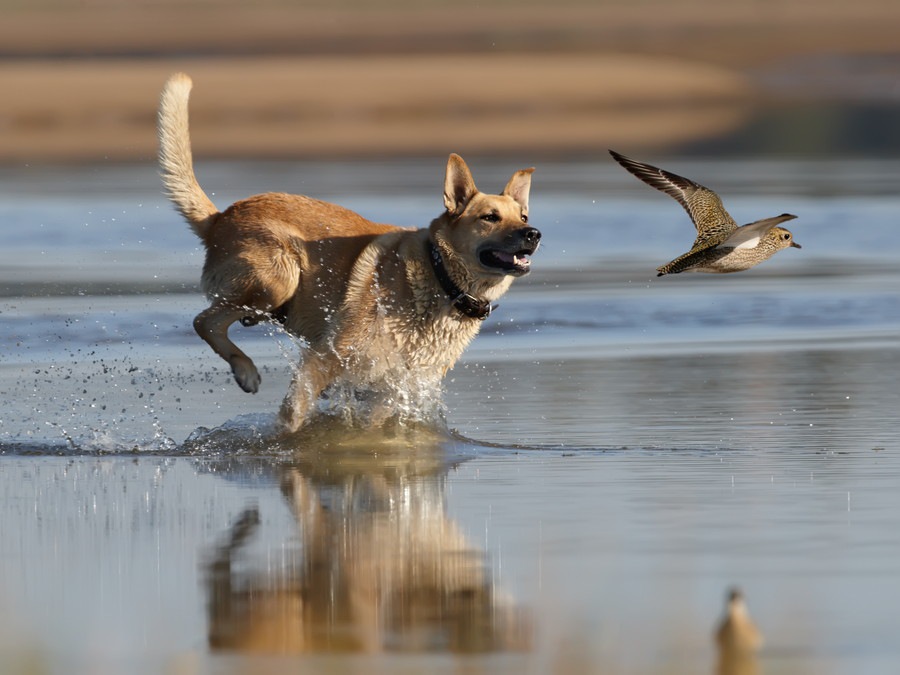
point(721, 246)
point(736, 634)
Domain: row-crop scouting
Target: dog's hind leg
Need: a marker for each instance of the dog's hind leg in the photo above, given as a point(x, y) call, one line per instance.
point(212, 325)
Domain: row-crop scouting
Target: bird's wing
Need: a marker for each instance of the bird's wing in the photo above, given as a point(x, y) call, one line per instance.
point(748, 236)
point(709, 216)
point(693, 258)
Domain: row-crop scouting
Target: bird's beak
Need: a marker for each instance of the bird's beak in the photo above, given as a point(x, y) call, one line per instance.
point(795, 244)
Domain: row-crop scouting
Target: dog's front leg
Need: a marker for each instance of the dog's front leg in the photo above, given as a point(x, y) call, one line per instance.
point(212, 325)
point(308, 382)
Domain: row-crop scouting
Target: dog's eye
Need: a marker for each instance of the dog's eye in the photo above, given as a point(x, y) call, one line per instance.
point(524, 217)
point(491, 217)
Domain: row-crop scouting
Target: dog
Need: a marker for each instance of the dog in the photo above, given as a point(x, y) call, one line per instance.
point(376, 304)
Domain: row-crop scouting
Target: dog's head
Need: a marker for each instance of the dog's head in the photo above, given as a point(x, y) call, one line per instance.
point(488, 235)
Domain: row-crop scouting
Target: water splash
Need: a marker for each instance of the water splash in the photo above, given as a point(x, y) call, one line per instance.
point(400, 402)
point(103, 440)
point(245, 434)
point(405, 398)
point(98, 390)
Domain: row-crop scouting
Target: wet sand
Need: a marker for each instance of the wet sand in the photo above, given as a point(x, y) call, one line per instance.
point(381, 105)
point(396, 80)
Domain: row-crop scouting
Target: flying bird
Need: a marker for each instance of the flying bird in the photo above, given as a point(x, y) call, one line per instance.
point(721, 246)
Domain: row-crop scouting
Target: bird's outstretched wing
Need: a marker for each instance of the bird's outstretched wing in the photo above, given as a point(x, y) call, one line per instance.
point(714, 224)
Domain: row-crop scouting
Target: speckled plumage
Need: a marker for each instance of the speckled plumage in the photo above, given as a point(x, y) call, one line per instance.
point(721, 246)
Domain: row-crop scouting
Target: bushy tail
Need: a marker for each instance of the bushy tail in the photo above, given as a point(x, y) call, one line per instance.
point(175, 160)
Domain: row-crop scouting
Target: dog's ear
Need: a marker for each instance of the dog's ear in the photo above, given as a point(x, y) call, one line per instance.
point(519, 187)
point(459, 187)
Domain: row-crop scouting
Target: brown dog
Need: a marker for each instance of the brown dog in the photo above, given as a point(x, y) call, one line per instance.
point(378, 305)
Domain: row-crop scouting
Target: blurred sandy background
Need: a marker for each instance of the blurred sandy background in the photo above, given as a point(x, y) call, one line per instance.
point(279, 79)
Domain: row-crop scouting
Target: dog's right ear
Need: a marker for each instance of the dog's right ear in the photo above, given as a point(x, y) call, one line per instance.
point(459, 187)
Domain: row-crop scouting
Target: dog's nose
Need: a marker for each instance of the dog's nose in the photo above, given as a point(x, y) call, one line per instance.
point(531, 235)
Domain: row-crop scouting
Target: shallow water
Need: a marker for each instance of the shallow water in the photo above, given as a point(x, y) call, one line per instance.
point(622, 448)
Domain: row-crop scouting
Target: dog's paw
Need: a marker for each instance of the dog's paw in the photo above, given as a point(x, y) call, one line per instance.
point(249, 383)
point(245, 374)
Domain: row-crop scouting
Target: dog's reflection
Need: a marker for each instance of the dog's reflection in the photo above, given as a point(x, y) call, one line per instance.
point(379, 567)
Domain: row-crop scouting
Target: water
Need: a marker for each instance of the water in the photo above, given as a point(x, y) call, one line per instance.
point(621, 448)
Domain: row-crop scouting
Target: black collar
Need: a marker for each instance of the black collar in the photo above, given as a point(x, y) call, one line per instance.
point(463, 302)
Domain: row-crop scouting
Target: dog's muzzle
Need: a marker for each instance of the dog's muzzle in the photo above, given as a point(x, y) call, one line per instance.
point(513, 256)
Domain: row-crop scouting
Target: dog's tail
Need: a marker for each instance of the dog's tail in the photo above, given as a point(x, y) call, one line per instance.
point(175, 160)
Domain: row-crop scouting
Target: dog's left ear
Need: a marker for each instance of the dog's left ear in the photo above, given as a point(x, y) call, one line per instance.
point(459, 186)
point(519, 187)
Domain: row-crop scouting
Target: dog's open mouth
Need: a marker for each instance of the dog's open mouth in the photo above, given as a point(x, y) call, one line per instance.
point(517, 263)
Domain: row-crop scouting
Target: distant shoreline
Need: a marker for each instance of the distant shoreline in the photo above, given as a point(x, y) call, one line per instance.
point(398, 80)
point(295, 107)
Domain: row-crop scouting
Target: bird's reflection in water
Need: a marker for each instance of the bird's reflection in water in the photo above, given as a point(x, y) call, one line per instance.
point(737, 638)
point(379, 566)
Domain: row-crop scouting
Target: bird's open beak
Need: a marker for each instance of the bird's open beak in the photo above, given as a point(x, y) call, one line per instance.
point(795, 244)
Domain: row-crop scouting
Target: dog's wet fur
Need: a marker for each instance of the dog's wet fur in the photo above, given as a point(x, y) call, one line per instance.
point(364, 296)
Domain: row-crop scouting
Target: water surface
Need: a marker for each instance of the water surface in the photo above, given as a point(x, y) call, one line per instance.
point(620, 448)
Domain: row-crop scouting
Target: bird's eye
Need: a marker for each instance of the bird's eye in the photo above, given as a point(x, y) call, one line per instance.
point(786, 236)
point(524, 217)
point(491, 217)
